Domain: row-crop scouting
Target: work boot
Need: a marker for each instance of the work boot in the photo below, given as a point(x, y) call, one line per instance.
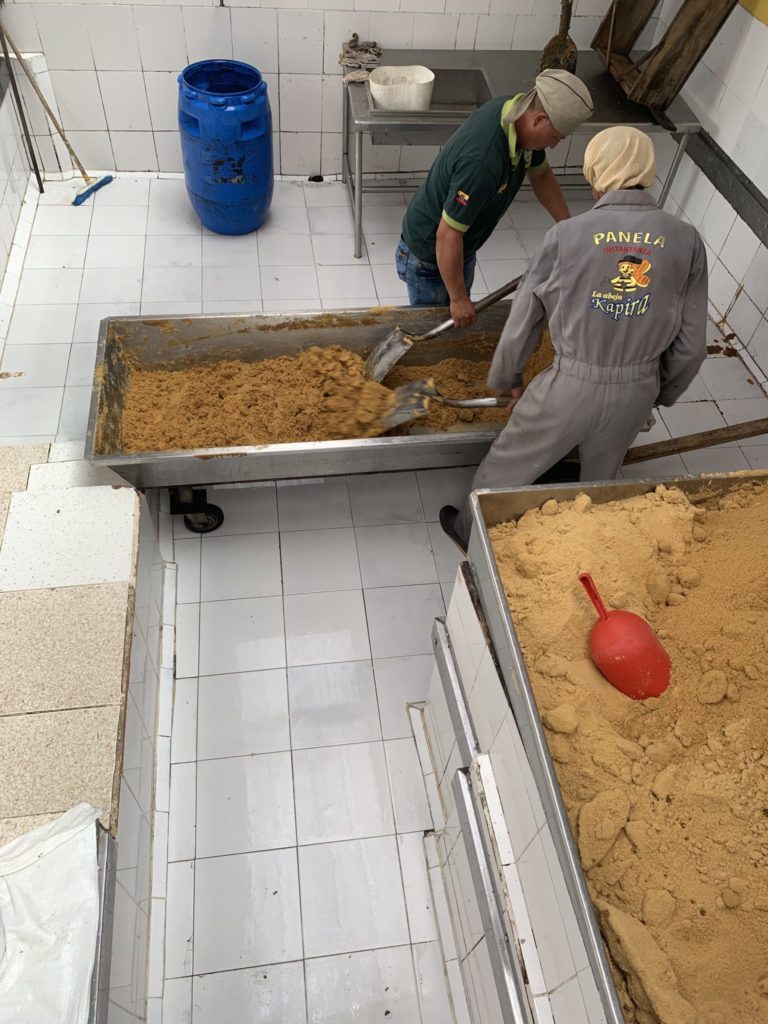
point(448, 516)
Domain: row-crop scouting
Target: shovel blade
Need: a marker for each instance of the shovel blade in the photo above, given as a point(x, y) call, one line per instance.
point(384, 356)
point(411, 403)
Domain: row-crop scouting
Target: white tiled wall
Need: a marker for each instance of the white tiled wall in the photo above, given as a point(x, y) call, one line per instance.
point(114, 66)
point(728, 91)
point(52, 156)
point(535, 898)
point(14, 172)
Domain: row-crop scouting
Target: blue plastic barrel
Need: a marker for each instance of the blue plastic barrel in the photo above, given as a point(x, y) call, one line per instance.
point(225, 123)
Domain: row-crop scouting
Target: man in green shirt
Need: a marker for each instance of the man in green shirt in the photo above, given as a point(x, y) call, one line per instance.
point(473, 181)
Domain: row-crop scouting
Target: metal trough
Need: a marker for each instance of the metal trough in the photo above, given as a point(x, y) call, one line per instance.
point(178, 342)
point(489, 508)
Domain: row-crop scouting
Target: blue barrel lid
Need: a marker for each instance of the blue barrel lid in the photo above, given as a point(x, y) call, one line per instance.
point(222, 81)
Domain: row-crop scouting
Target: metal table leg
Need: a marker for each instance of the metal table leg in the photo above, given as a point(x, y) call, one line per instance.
point(681, 147)
point(344, 131)
point(358, 194)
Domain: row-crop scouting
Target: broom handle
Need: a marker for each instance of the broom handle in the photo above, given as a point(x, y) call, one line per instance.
point(45, 103)
point(692, 442)
point(566, 9)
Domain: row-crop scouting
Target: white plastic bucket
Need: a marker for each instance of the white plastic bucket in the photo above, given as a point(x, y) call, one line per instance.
point(402, 88)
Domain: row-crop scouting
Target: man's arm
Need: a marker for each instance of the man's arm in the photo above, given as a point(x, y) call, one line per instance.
point(449, 245)
point(681, 361)
point(547, 190)
point(522, 331)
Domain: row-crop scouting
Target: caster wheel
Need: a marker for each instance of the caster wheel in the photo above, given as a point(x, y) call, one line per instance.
point(207, 521)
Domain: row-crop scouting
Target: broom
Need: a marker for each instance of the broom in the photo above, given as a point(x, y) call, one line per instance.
point(560, 52)
point(91, 184)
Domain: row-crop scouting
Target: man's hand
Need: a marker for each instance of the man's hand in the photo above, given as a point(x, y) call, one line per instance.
point(514, 395)
point(449, 248)
point(463, 311)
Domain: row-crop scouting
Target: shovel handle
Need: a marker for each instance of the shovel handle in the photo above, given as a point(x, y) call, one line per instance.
point(473, 403)
point(589, 585)
point(489, 300)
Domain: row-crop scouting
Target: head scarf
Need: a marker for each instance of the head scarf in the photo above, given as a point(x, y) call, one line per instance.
point(619, 157)
point(564, 97)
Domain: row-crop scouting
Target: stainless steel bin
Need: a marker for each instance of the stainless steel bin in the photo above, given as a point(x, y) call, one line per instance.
point(178, 341)
point(489, 508)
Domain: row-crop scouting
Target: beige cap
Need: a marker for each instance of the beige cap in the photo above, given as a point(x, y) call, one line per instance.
point(564, 97)
point(619, 157)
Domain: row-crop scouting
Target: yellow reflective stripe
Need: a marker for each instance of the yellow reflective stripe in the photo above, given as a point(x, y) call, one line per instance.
point(454, 223)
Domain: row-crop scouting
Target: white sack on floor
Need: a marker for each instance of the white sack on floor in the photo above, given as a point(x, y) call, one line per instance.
point(49, 909)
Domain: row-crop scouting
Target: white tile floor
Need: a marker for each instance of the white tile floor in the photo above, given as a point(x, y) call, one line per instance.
point(136, 247)
point(297, 885)
point(298, 880)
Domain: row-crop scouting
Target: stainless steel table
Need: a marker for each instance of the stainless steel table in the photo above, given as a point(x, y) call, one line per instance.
point(507, 72)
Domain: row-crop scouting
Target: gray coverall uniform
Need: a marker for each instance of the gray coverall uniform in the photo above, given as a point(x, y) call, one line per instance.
point(624, 288)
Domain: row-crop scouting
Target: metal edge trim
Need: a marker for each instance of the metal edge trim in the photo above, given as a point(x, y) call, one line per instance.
point(699, 486)
point(731, 182)
point(93, 411)
point(106, 857)
point(293, 447)
point(544, 773)
point(470, 579)
point(454, 694)
point(510, 986)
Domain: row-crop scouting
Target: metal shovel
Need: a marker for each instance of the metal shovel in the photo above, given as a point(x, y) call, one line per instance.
point(412, 401)
point(389, 351)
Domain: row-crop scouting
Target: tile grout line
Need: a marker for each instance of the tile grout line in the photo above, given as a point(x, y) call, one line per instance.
point(370, 647)
point(194, 824)
point(293, 771)
point(367, 626)
point(197, 721)
point(279, 963)
point(302, 846)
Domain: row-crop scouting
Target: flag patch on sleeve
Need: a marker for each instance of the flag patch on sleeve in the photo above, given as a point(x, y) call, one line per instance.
point(462, 198)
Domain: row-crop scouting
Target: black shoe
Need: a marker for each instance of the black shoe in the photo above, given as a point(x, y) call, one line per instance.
point(448, 516)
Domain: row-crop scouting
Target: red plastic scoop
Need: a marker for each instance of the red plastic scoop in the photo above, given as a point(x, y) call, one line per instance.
point(626, 649)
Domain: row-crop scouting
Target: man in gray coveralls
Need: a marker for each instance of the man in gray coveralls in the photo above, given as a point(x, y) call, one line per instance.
point(624, 288)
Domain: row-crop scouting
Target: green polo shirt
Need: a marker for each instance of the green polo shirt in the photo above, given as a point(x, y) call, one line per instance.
point(472, 182)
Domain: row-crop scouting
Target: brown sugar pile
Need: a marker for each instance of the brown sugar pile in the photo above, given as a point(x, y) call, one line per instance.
point(667, 798)
point(465, 378)
point(316, 395)
point(454, 378)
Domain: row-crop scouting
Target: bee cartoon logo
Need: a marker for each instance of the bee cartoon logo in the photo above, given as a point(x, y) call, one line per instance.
point(633, 274)
point(628, 294)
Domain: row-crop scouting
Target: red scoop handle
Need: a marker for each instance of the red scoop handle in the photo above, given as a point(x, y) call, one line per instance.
point(589, 585)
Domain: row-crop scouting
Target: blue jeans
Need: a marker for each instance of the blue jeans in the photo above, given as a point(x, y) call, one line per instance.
point(425, 286)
